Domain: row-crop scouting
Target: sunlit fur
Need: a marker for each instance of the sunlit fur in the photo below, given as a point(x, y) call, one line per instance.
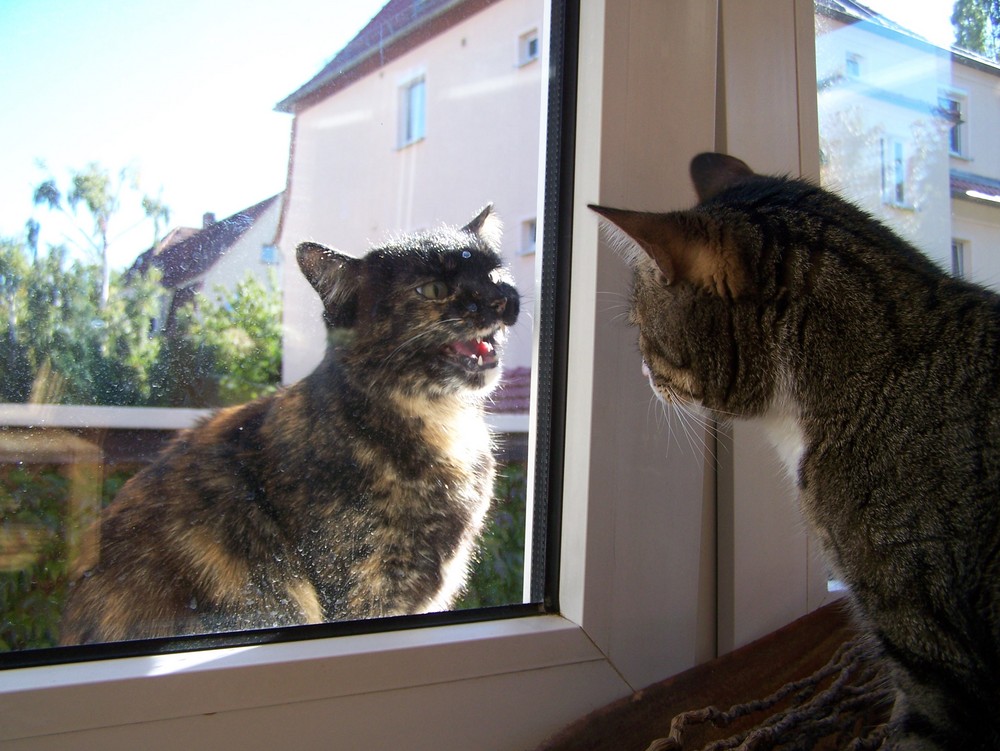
point(877, 377)
point(357, 492)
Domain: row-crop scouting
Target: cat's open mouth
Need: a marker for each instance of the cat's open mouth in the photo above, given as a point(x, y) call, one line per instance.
point(473, 354)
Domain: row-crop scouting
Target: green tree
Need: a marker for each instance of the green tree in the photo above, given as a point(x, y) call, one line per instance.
point(222, 350)
point(242, 327)
point(15, 385)
point(497, 576)
point(60, 344)
point(977, 26)
point(95, 190)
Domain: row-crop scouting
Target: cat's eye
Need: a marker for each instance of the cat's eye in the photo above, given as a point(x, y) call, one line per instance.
point(436, 290)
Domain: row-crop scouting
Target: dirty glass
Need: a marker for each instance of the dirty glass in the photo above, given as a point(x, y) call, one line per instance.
point(150, 285)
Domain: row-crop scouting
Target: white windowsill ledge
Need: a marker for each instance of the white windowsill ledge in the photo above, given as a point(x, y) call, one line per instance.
point(79, 696)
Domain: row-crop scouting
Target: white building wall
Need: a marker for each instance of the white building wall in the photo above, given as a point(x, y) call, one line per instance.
point(977, 225)
point(982, 90)
point(352, 185)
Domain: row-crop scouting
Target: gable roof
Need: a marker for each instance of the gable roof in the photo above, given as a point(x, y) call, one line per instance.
point(861, 12)
point(849, 12)
point(400, 26)
point(187, 252)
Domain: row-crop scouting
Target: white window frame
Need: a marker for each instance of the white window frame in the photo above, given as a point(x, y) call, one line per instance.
point(961, 99)
point(647, 525)
point(412, 120)
point(961, 258)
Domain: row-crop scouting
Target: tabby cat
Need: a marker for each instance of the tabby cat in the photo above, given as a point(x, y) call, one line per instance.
point(357, 492)
point(878, 376)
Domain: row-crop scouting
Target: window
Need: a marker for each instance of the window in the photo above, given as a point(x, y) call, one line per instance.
point(953, 109)
point(412, 112)
point(527, 47)
point(528, 232)
point(197, 318)
point(269, 254)
point(659, 562)
point(852, 65)
point(959, 258)
point(894, 172)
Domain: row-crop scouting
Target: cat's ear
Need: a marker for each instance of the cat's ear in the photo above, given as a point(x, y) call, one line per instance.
point(713, 173)
point(335, 277)
point(680, 253)
point(487, 227)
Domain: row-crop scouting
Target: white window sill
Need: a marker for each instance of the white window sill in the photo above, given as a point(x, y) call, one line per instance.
point(82, 696)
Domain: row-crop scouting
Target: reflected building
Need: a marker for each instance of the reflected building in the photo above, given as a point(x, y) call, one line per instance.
point(908, 130)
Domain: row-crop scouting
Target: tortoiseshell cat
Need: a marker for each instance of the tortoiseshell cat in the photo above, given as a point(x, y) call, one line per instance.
point(357, 492)
point(879, 377)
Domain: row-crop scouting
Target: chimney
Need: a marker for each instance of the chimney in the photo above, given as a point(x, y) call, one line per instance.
point(207, 220)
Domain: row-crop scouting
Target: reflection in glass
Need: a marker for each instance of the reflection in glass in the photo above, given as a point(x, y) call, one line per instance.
point(896, 137)
point(909, 134)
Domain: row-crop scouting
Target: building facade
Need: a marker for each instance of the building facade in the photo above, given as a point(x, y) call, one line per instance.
point(431, 112)
point(908, 130)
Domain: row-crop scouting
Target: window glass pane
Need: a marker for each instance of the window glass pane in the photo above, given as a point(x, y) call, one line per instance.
point(217, 413)
point(412, 111)
point(910, 135)
point(901, 142)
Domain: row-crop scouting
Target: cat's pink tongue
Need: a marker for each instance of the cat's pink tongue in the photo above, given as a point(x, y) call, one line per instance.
point(474, 348)
point(478, 350)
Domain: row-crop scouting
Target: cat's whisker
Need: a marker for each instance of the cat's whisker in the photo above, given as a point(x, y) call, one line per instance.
point(619, 302)
point(405, 343)
point(695, 438)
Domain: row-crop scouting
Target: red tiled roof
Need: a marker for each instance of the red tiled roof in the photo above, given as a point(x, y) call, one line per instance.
point(400, 26)
point(187, 252)
point(975, 187)
point(514, 393)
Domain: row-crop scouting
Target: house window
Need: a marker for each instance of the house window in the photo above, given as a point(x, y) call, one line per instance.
point(412, 112)
point(528, 47)
point(269, 254)
point(528, 231)
point(952, 108)
point(894, 189)
point(852, 65)
point(960, 266)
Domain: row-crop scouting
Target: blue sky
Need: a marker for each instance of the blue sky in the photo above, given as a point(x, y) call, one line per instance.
point(182, 90)
point(929, 18)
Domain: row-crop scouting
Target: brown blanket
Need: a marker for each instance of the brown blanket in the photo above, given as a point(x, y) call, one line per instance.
point(794, 661)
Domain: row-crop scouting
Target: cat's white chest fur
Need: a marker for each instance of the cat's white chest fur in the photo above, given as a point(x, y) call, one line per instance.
point(784, 429)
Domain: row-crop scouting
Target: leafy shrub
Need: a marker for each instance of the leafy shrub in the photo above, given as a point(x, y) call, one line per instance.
point(497, 575)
